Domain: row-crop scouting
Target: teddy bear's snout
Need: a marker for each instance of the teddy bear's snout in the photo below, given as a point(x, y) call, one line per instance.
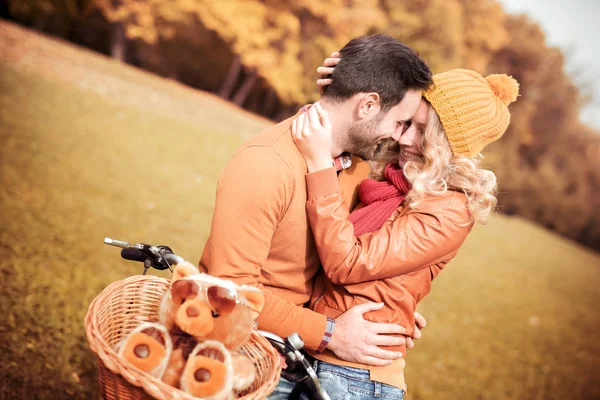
point(192, 312)
point(195, 318)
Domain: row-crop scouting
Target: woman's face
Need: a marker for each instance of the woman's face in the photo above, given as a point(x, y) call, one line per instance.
point(412, 138)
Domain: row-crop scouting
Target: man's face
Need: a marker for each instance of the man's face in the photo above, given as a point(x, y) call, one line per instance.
point(366, 136)
point(411, 140)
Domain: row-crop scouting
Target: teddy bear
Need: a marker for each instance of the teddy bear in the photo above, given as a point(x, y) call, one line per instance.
point(203, 322)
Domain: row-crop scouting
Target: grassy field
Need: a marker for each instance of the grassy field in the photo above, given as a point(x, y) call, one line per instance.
point(92, 148)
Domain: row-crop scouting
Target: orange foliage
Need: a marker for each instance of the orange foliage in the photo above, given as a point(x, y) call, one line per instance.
point(263, 54)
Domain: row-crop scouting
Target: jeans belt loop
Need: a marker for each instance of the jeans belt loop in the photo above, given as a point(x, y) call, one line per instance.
point(377, 389)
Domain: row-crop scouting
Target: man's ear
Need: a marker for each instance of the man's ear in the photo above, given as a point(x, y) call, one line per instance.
point(368, 106)
point(254, 298)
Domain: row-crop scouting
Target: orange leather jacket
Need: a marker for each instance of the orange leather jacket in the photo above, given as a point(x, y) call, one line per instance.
point(394, 265)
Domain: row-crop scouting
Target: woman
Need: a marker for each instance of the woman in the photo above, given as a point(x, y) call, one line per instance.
point(427, 191)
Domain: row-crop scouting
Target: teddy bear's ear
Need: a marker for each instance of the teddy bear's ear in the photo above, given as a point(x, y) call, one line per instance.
point(183, 270)
point(182, 289)
point(254, 298)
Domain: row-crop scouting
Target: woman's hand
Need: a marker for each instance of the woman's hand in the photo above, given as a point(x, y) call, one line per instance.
point(420, 323)
point(312, 134)
point(326, 70)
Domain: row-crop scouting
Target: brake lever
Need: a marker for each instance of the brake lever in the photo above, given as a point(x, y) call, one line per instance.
point(299, 370)
point(158, 257)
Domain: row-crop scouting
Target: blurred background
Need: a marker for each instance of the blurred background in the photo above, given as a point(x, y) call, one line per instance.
point(116, 117)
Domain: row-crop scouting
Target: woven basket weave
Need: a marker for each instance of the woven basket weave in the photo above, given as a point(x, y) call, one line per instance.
point(125, 304)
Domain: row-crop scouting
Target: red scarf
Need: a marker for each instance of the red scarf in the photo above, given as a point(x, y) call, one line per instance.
point(380, 199)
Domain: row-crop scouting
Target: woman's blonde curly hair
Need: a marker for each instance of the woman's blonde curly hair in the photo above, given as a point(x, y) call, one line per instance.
point(438, 170)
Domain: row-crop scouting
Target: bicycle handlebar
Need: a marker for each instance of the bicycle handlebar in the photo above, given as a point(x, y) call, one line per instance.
point(158, 257)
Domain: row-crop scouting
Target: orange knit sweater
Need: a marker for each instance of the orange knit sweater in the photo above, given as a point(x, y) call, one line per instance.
point(260, 233)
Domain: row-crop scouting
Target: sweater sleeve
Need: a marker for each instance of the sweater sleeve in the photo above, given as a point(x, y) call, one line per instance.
point(406, 244)
point(252, 197)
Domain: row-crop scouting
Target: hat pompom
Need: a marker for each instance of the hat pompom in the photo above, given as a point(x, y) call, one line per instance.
point(505, 87)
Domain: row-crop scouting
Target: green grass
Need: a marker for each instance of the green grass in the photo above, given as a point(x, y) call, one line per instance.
point(92, 148)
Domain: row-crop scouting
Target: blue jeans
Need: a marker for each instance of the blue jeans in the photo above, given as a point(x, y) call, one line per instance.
point(282, 390)
point(347, 383)
point(343, 383)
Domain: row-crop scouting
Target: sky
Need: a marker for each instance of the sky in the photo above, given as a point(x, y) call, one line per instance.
point(574, 26)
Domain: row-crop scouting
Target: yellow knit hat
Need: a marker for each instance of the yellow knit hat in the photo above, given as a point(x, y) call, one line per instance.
point(472, 109)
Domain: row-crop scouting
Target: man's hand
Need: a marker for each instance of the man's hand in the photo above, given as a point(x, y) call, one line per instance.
point(356, 339)
point(420, 323)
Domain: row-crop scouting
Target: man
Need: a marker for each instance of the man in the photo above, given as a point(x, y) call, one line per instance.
point(260, 233)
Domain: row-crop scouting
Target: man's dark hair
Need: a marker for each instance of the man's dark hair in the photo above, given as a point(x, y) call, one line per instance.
point(380, 64)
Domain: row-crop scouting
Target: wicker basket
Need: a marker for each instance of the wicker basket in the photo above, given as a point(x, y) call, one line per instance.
point(125, 304)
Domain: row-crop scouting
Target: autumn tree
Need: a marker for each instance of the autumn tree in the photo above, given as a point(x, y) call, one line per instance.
point(262, 55)
point(52, 16)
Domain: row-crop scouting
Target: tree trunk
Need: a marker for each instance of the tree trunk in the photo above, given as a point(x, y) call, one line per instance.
point(269, 103)
point(283, 113)
point(117, 47)
point(232, 77)
point(39, 22)
point(247, 86)
point(4, 13)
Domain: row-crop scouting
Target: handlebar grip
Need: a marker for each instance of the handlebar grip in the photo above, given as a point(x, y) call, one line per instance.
point(134, 254)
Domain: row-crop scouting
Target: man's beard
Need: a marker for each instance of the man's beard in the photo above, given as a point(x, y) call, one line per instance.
point(361, 136)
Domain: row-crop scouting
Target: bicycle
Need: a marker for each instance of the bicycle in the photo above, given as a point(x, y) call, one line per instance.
point(298, 368)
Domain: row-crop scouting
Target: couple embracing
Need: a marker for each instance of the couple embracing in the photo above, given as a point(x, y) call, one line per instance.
point(344, 213)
